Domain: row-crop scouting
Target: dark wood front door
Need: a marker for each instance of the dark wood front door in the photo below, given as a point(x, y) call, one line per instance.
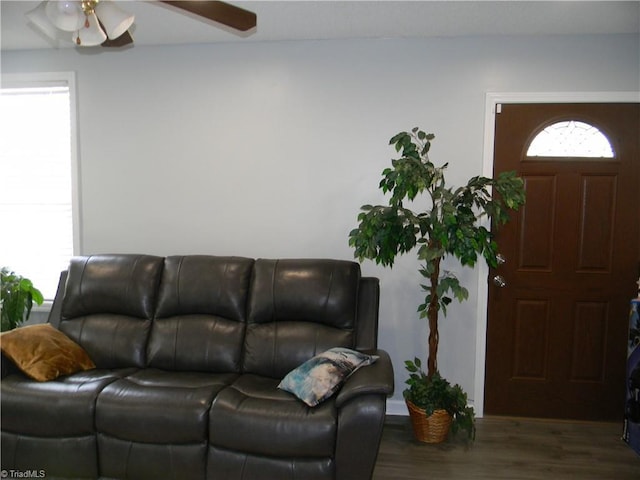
point(557, 328)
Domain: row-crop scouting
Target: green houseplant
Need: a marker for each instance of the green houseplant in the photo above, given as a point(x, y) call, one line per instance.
point(17, 295)
point(432, 397)
point(451, 225)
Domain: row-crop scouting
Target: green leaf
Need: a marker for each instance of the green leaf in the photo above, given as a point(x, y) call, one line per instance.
point(17, 296)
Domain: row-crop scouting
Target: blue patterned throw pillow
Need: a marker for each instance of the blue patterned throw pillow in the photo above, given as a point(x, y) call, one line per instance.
point(321, 376)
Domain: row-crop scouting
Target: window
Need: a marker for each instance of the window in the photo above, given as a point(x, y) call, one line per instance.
point(570, 139)
point(38, 175)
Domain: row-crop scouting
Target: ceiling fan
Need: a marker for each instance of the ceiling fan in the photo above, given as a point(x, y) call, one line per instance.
point(102, 22)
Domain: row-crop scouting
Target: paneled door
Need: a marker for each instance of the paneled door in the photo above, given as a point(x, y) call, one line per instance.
point(558, 305)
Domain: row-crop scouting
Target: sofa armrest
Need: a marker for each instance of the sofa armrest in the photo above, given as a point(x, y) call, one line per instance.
point(4, 367)
point(376, 378)
point(7, 367)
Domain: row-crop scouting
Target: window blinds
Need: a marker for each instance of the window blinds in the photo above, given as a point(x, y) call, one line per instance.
point(36, 208)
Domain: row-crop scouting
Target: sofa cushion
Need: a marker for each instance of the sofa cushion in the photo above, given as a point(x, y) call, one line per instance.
point(297, 309)
point(112, 341)
point(203, 343)
point(108, 304)
point(43, 352)
point(53, 458)
point(122, 284)
point(157, 406)
point(205, 284)
point(200, 321)
point(124, 459)
point(63, 407)
point(230, 464)
point(322, 291)
point(321, 376)
point(245, 417)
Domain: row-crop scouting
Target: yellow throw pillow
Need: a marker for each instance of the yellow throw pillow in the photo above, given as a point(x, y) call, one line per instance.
point(43, 353)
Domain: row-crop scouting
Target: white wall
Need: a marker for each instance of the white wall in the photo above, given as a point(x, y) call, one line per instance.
point(268, 150)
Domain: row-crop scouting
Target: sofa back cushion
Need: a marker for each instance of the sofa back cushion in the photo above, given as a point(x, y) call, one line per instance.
point(108, 305)
point(297, 309)
point(201, 315)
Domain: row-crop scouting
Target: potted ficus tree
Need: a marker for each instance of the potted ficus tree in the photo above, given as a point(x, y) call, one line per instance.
point(451, 225)
point(17, 295)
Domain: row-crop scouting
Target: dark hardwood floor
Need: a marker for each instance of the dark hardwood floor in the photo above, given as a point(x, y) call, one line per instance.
point(513, 449)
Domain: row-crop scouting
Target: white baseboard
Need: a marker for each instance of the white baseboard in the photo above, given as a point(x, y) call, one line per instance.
point(397, 407)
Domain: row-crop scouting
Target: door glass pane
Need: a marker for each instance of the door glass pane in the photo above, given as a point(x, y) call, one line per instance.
point(570, 139)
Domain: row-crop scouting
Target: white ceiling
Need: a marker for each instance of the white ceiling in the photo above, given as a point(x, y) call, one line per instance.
point(158, 24)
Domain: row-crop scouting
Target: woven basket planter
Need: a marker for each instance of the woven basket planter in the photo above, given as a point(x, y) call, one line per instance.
point(429, 429)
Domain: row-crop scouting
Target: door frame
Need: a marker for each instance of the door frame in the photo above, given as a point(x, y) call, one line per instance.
point(492, 100)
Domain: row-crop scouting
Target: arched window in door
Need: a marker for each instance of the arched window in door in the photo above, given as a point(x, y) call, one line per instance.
point(570, 139)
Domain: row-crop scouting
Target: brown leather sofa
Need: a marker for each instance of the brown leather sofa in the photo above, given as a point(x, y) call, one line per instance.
point(189, 352)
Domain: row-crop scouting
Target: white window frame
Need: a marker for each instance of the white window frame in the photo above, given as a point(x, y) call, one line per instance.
point(68, 79)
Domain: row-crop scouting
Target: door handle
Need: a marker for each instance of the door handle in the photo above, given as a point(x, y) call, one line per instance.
point(499, 281)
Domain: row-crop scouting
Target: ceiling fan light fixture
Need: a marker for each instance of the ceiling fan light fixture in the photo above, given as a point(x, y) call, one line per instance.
point(65, 15)
point(38, 16)
point(90, 34)
point(114, 20)
point(93, 20)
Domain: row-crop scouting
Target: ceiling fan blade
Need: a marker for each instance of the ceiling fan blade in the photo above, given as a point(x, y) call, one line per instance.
point(121, 41)
point(221, 12)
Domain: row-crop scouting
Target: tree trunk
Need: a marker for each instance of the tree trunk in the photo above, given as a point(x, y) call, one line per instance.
point(432, 316)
